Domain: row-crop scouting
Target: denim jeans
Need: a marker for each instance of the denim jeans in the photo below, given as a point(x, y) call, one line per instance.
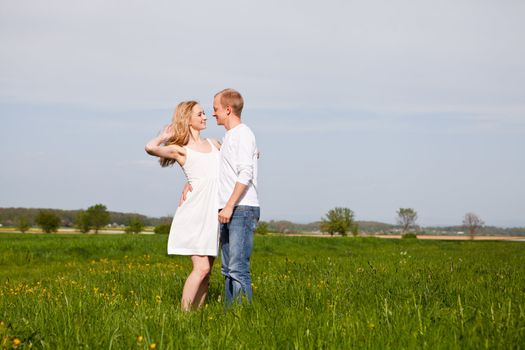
point(237, 242)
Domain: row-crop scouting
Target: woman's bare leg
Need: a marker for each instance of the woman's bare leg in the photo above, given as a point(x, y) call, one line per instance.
point(199, 274)
point(202, 292)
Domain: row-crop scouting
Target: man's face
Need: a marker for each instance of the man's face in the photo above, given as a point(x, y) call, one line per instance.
point(219, 112)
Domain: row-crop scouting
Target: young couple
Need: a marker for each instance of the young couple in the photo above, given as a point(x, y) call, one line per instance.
point(220, 198)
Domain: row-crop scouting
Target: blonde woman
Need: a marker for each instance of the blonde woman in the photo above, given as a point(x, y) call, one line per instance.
point(194, 230)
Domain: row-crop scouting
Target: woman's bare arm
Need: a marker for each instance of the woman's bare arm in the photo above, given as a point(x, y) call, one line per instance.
point(156, 147)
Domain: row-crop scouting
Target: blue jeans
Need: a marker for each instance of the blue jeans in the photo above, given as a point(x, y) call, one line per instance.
point(237, 242)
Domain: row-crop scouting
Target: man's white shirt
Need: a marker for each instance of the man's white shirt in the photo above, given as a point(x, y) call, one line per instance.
point(238, 164)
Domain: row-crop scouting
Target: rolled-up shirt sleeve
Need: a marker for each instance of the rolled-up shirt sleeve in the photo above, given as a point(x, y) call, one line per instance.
point(245, 157)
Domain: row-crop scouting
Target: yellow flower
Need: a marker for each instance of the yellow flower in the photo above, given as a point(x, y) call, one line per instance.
point(16, 342)
point(140, 339)
point(153, 346)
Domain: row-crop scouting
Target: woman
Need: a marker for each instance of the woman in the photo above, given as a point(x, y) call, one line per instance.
point(194, 230)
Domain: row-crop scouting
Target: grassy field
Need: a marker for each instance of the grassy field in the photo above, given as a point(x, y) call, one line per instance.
point(122, 292)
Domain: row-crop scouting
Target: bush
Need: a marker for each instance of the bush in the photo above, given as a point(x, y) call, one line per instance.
point(409, 236)
point(135, 226)
point(82, 222)
point(162, 229)
point(338, 220)
point(98, 216)
point(23, 224)
point(48, 221)
point(355, 229)
point(262, 228)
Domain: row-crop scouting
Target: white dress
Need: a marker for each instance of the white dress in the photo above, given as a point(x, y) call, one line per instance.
point(195, 226)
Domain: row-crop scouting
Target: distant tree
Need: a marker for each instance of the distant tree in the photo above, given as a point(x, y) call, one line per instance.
point(406, 218)
point(355, 229)
point(23, 224)
point(82, 222)
point(338, 220)
point(48, 221)
point(262, 228)
point(472, 223)
point(98, 216)
point(162, 229)
point(135, 225)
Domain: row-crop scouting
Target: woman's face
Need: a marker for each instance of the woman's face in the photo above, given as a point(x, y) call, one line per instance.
point(198, 118)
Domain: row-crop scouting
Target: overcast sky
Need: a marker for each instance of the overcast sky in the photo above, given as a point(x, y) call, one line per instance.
point(370, 105)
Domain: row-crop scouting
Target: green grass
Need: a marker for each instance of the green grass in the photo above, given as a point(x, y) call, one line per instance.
point(104, 291)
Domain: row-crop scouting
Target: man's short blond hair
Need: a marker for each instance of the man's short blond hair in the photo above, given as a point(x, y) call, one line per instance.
point(232, 98)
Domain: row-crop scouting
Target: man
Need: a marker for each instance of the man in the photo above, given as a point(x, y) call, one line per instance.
point(238, 200)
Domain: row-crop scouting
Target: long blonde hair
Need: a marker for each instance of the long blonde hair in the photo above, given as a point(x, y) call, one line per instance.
point(181, 128)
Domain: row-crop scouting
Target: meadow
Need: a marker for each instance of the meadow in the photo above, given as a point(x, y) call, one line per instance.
point(123, 292)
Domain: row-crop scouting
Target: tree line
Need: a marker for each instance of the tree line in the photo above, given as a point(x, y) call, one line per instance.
point(95, 218)
point(341, 221)
point(68, 218)
point(336, 221)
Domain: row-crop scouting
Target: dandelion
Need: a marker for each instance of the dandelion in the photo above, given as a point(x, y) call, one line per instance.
point(16, 343)
point(140, 338)
point(153, 346)
point(157, 299)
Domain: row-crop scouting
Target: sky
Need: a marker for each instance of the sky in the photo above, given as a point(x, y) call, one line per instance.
point(369, 105)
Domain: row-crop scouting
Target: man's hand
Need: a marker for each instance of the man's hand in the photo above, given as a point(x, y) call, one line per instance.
point(187, 188)
point(225, 215)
